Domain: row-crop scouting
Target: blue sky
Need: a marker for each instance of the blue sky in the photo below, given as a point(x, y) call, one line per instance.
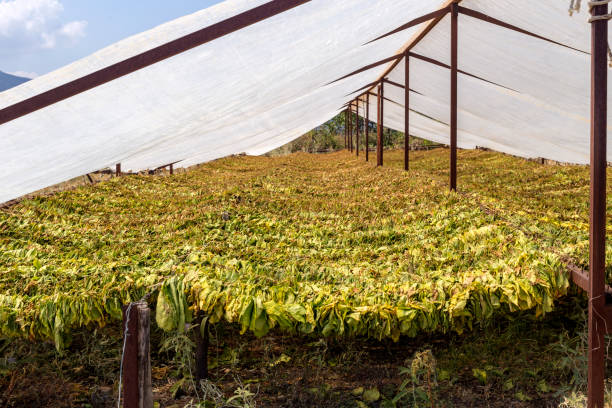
point(39, 36)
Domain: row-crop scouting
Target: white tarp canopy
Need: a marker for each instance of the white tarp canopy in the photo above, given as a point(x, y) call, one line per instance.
point(265, 85)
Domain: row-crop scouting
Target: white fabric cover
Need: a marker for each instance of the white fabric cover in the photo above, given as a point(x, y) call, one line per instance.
point(263, 86)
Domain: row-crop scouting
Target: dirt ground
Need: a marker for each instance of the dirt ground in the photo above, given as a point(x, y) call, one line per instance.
point(517, 362)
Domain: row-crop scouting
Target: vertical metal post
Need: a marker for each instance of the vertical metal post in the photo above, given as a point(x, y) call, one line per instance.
point(381, 124)
point(357, 127)
point(367, 127)
point(407, 112)
point(453, 101)
point(379, 135)
point(118, 169)
point(350, 126)
point(346, 129)
point(597, 238)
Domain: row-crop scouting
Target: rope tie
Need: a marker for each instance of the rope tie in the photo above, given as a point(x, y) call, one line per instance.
point(600, 317)
point(595, 4)
point(574, 7)
point(125, 335)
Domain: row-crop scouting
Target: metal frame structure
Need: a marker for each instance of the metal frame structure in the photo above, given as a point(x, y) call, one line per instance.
point(367, 129)
point(594, 283)
point(599, 311)
point(357, 127)
point(380, 124)
point(351, 125)
point(407, 112)
point(453, 99)
point(147, 58)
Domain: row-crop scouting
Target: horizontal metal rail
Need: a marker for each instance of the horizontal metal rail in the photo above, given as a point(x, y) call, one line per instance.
point(147, 58)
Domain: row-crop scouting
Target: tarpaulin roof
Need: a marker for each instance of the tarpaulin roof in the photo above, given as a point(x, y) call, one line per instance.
point(268, 83)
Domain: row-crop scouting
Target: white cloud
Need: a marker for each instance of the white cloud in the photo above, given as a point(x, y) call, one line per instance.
point(24, 74)
point(74, 29)
point(31, 24)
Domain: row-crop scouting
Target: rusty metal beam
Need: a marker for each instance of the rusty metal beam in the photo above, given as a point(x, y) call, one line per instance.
point(453, 96)
point(357, 128)
point(367, 129)
point(378, 137)
point(381, 124)
point(412, 110)
point(429, 16)
point(597, 237)
point(346, 129)
point(407, 112)
point(369, 86)
point(166, 165)
point(350, 126)
point(415, 40)
point(368, 67)
point(443, 65)
point(390, 82)
point(147, 58)
point(387, 99)
point(579, 277)
point(481, 16)
point(417, 56)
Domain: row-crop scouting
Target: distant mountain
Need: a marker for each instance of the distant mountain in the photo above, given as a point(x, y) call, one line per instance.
point(8, 81)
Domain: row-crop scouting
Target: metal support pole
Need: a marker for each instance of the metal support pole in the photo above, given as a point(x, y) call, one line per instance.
point(382, 121)
point(381, 124)
point(357, 127)
point(597, 249)
point(453, 102)
point(367, 127)
point(379, 135)
point(346, 129)
point(118, 169)
point(406, 113)
point(350, 126)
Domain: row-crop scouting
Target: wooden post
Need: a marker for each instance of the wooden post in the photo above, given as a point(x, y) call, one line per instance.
point(118, 169)
point(453, 99)
point(407, 112)
point(367, 127)
point(357, 127)
point(136, 376)
point(201, 336)
point(597, 238)
point(171, 169)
